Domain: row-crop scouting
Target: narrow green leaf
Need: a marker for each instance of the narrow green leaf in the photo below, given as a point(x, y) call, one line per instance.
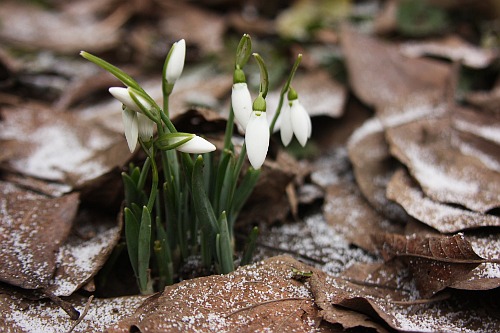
point(250, 246)
point(130, 189)
point(118, 73)
point(220, 179)
point(132, 239)
point(244, 190)
point(144, 174)
point(202, 205)
point(225, 248)
point(144, 249)
point(135, 173)
point(163, 256)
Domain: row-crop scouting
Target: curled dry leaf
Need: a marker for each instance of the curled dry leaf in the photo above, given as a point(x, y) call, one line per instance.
point(380, 75)
point(255, 297)
point(487, 275)
point(442, 217)
point(32, 229)
point(373, 167)
point(453, 48)
point(444, 173)
point(436, 262)
point(385, 292)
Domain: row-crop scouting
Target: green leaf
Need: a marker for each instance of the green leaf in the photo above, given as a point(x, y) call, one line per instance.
point(118, 73)
point(250, 245)
point(224, 246)
point(163, 256)
point(132, 239)
point(130, 188)
point(144, 250)
point(202, 206)
point(244, 190)
point(220, 179)
point(144, 174)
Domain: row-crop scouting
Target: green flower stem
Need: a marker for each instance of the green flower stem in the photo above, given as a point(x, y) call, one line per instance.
point(284, 90)
point(228, 134)
point(154, 169)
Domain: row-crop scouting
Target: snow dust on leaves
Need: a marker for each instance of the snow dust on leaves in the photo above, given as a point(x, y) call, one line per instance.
point(254, 298)
point(21, 315)
point(33, 228)
point(62, 148)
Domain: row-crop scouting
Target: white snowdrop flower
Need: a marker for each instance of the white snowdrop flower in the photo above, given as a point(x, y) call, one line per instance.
point(257, 138)
point(123, 95)
point(197, 145)
point(135, 123)
point(242, 103)
point(286, 131)
point(146, 127)
point(130, 126)
point(301, 122)
point(175, 61)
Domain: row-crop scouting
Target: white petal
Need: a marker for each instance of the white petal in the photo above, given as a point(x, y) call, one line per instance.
point(286, 130)
point(175, 63)
point(123, 95)
point(257, 138)
point(242, 103)
point(301, 122)
point(130, 126)
point(146, 127)
point(197, 145)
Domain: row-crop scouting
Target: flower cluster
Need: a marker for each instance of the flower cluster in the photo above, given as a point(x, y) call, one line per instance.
point(174, 207)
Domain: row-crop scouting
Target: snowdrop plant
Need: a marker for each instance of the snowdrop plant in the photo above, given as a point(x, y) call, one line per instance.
point(295, 120)
point(184, 200)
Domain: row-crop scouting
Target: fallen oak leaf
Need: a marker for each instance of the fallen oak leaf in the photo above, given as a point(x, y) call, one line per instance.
point(436, 262)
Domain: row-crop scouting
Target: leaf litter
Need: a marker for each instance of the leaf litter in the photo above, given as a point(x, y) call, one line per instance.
point(366, 193)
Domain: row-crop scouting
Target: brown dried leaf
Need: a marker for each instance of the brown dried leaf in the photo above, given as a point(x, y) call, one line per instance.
point(453, 48)
point(24, 316)
point(436, 262)
point(444, 218)
point(318, 92)
point(254, 297)
point(477, 134)
point(33, 228)
point(487, 100)
point(384, 291)
point(32, 27)
point(380, 75)
point(60, 147)
point(346, 210)
point(373, 167)
point(444, 173)
point(84, 252)
point(487, 275)
point(197, 25)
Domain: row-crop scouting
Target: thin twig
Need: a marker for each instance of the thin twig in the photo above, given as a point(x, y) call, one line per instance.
point(85, 311)
point(66, 306)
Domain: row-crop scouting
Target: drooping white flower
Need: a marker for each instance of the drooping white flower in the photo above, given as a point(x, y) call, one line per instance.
point(197, 145)
point(135, 123)
point(130, 127)
point(146, 127)
point(123, 95)
point(301, 122)
point(242, 103)
point(257, 138)
point(286, 131)
point(175, 61)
